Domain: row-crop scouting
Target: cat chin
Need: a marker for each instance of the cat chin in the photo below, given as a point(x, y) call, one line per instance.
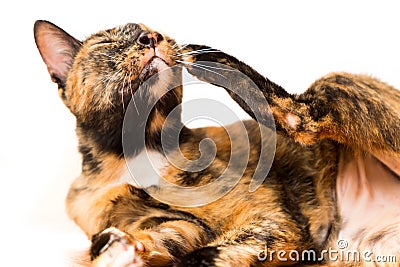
point(154, 65)
point(159, 84)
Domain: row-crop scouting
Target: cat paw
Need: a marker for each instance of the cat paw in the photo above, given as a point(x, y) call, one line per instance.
point(114, 248)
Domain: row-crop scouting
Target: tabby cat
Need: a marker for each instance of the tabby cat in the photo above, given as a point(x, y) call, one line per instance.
point(334, 178)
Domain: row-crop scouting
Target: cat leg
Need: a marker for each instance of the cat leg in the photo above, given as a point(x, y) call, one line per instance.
point(260, 243)
point(356, 110)
point(115, 248)
point(140, 231)
point(158, 246)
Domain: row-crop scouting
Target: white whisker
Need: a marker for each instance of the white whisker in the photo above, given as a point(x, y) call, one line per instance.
point(108, 56)
point(204, 67)
point(200, 51)
point(122, 91)
point(212, 67)
point(108, 92)
point(130, 89)
point(182, 47)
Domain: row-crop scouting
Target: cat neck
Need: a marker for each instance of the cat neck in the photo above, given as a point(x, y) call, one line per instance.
point(159, 136)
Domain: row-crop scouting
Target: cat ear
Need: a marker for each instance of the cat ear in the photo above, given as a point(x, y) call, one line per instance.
point(57, 49)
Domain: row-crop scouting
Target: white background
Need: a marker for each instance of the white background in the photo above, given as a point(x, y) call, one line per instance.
point(292, 42)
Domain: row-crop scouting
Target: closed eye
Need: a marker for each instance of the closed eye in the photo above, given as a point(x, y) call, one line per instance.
point(104, 42)
point(115, 43)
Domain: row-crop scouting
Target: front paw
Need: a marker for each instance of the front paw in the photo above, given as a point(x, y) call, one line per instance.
point(114, 248)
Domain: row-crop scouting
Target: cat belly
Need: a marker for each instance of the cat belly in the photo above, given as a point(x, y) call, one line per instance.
point(369, 203)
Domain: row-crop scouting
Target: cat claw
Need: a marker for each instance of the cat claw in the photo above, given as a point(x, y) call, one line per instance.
point(114, 248)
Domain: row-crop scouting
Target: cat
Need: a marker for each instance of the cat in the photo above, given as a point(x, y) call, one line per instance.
point(334, 177)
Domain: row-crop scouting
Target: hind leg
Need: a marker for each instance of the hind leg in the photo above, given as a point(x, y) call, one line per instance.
point(255, 243)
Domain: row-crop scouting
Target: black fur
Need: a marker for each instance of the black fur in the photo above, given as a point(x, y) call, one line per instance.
point(98, 243)
point(204, 257)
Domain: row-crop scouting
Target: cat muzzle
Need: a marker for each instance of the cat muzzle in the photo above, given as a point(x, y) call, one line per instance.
point(153, 66)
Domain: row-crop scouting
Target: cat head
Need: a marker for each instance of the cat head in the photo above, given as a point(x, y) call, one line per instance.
point(97, 77)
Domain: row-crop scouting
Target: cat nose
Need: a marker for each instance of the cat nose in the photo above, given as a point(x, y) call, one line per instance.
point(149, 39)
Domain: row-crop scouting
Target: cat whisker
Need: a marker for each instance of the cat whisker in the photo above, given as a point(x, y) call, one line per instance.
point(109, 92)
point(182, 47)
point(110, 102)
point(198, 52)
point(104, 54)
point(111, 77)
point(211, 67)
point(216, 68)
point(200, 66)
point(122, 91)
point(131, 91)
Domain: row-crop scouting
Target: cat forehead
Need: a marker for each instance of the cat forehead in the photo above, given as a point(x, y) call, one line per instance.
point(126, 31)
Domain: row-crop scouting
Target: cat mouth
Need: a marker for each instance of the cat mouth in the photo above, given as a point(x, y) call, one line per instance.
point(153, 66)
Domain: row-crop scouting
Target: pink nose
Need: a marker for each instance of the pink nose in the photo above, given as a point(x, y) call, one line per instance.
point(149, 39)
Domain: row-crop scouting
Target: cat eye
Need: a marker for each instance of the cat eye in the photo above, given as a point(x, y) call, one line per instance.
point(104, 42)
point(112, 43)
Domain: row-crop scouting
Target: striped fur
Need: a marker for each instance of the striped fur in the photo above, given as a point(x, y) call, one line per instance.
point(296, 208)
